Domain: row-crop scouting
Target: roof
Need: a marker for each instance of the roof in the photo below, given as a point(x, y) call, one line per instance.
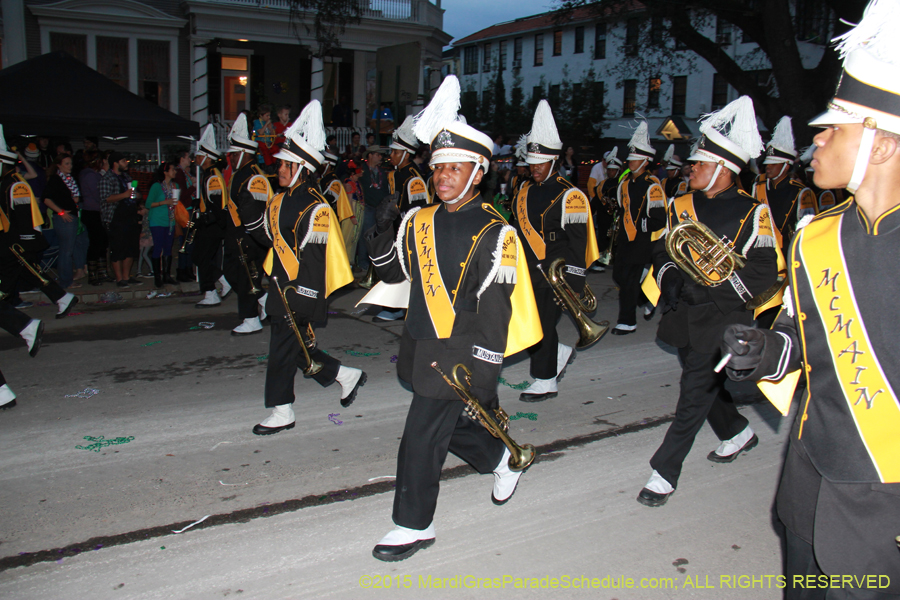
point(547, 20)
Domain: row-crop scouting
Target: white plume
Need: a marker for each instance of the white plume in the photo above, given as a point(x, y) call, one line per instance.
point(240, 128)
point(522, 147)
point(737, 122)
point(443, 108)
point(641, 136)
point(462, 119)
point(543, 127)
point(876, 32)
point(611, 155)
point(208, 139)
point(405, 131)
point(310, 126)
point(670, 152)
point(3, 146)
point(807, 155)
point(783, 137)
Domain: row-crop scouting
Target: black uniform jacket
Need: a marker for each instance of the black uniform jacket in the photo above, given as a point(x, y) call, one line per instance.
point(409, 182)
point(209, 200)
point(790, 200)
point(469, 271)
point(15, 201)
point(703, 312)
point(646, 204)
point(545, 203)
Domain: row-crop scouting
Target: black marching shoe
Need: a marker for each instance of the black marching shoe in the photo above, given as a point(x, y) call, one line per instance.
point(719, 458)
point(401, 543)
point(653, 499)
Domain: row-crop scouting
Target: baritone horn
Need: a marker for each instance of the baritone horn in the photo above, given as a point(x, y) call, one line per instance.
point(589, 332)
point(520, 456)
point(714, 260)
point(312, 367)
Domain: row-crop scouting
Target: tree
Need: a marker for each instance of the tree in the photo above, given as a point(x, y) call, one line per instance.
point(326, 19)
point(773, 25)
point(498, 120)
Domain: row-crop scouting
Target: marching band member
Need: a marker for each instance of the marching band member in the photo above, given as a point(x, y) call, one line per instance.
point(333, 189)
point(248, 184)
point(522, 174)
point(554, 219)
point(20, 230)
point(468, 286)
point(31, 330)
point(603, 204)
point(213, 194)
point(300, 219)
point(642, 204)
point(695, 315)
point(405, 180)
point(838, 497)
point(674, 183)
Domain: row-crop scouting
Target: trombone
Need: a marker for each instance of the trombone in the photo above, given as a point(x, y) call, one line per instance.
point(249, 267)
point(19, 252)
point(312, 367)
point(520, 456)
point(589, 331)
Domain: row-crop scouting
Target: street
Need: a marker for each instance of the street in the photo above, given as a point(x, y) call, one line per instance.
point(94, 486)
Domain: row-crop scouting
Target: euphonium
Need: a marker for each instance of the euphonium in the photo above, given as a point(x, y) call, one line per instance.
point(19, 252)
point(520, 456)
point(312, 367)
point(713, 262)
point(370, 279)
point(589, 332)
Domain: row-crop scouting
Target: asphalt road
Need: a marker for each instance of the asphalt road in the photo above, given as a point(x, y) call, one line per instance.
point(295, 515)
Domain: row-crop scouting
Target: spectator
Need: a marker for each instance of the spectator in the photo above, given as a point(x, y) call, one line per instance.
point(264, 133)
point(89, 182)
point(45, 156)
point(374, 185)
point(188, 186)
point(62, 195)
point(568, 166)
point(161, 204)
point(284, 121)
point(355, 149)
point(145, 245)
point(331, 144)
point(63, 148)
point(352, 227)
point(341, 115)
point(120, 215)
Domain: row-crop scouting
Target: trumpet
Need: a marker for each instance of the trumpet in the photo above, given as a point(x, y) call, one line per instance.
point(312, 367)
point(589, 331)
point(606, 256)
point(191, 232)
point(19, 252)
point(520, 456)
point(715, 260)
point(249, 267)
point(370, 279)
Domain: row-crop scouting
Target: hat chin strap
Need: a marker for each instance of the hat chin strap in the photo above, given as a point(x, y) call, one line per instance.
point(465, 189)
point(780, 173)
point(715, 176)
point(862, 157)
point(296, 175)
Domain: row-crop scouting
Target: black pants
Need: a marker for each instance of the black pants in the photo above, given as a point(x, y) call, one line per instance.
point(96, 235)
point(12, 272)
point(434, 427)
point(237, 277)
point(12, 319)
point(285, 357)
point(543, 354)
point(207, 244)
point(628, 278)
point(703, 398)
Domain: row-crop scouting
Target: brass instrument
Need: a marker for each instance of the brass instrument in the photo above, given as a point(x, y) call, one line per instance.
point(312, 367)
point(19, 252)
point(589, 331)
point(763, 297)
point(249, 267)
point(606, 256)
point(191, 233)
point(715, 261)
point(370, 279)
point(521, 456)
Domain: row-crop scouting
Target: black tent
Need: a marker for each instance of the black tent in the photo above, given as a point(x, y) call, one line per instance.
point(57, 95)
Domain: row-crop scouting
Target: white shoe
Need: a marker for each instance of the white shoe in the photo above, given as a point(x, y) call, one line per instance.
point(211, 299)
point(226, 287)
point(32, 336)
point(65, 304)
point(565, 355)
point(731, 449)
point(402, 542)
point(658, 484)
point(263, 315)
point(249, 326)
point(505, 480)
point(351, 380)
point(539, 390)
point(7, 397)
point(282, 417)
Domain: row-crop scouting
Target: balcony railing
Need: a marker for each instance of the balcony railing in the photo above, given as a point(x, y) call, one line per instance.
point(414, 11)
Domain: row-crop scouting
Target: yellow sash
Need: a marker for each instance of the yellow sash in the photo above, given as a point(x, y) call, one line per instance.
point(525, 323)
point(343, 202)
point(391, 185)
point(279, 245)
point(577, 203)
point(866, 390)
point(437, 297)
point(21, 189)
point(533, 238)
point(337, 266)
point(217, 183)
point(627, 221)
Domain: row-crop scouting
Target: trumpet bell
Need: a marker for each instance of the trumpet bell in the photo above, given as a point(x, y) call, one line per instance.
point(370, 278)
point(523, 459)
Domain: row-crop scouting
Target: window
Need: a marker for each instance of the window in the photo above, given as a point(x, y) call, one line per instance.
point(720, 92)
point(632, 30)
point(764, 79)
point(153, 74)
point(74, 44)
point(537, 92)
point(653, 92)
point(599, 97)
point(517, 51)
point(600, 41)
point(486, 59)
point(679, 94)
point(811, 21)
point(656, 30)
point(557, 42)
point(468, 104)
point(470, 60)
point(579, 40)
point(553, 96)
point(539, 49)
point(502, 55)
point(112, 59)
point(723, 32)
point(235, 63)
point(629, 97)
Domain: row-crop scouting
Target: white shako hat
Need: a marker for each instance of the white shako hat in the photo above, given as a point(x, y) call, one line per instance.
point(405, 138)
point(780, 148)
point(730, 137)
point(330, 157)
point(239, 138)
point(671, 163)
point(7, 157)
point(450, 137)
point(543, 143)
point(522, 151)
point(304, 140)
point(612, 160)
point(207, 144)
point(868, 91)
point(639, 147)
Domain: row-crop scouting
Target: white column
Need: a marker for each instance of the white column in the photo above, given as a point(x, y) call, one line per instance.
point(359, 89)
point(14, 49)
point(199, 83)
point(317, 80)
